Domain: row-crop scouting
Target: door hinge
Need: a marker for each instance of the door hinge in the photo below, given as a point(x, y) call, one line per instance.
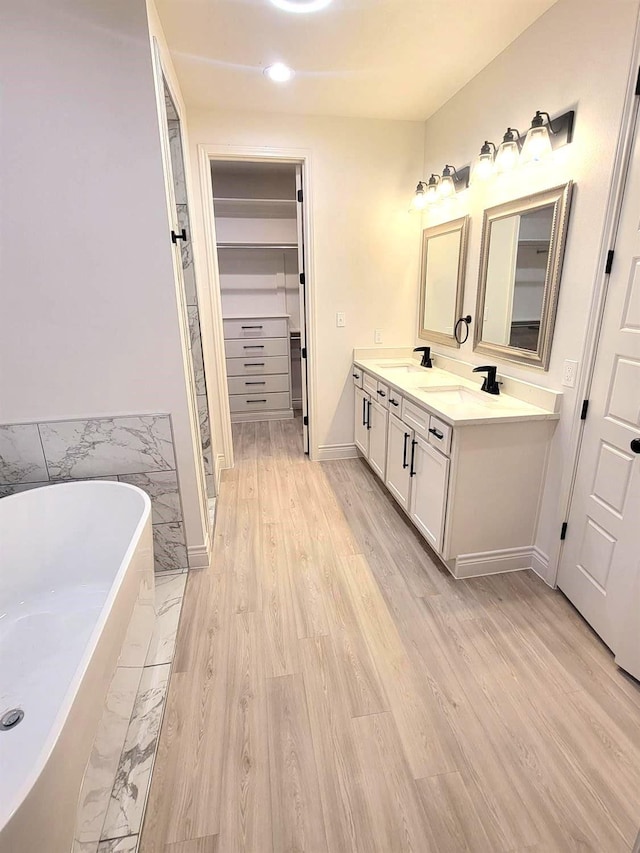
point(638, 83)
point(303, 352)
point(300, 195)
point(563, 530)
point(609, 263)
point(303, 279)
point(305, 420)
point(585, 409)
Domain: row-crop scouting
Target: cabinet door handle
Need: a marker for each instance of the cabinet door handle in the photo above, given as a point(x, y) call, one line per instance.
point(255, 383)
point(253, 346)
point(412, 472)
point(439, 435)
point(393, 402)
point(250, 327)
point(368, 414)
point(407, 436)
point(364, 411)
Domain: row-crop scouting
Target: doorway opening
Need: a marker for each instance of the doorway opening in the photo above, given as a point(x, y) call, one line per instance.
point(259, 227)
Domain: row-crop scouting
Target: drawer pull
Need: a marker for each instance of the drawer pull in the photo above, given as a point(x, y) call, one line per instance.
point(255, 383)
point(253, 346)
point(356, 375)
point(253, 364)
point(382, 393)
point(250, 327)
point(439, 435)
point(255, 401)
point(407, 436)
point(393, 402)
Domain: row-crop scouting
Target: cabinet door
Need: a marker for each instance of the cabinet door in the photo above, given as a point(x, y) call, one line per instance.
point(430, 475)
point(361, 414)
point(378, 422)
point(398, 456)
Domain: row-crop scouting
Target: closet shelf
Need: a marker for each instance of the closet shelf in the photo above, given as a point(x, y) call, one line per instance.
point(255, 208)
point(235, 245)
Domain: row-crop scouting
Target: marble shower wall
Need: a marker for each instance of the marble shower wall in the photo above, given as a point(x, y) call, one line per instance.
point(191, 297)
point(135, 449)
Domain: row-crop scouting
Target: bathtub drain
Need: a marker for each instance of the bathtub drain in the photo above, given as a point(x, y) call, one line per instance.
point(11, 719)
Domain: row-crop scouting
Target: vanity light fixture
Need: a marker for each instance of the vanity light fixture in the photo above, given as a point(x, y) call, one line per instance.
point(301, 7)
point(542, 138)
point(278, 72)
point(452, 181)
point(486, 165)
point(508, 152)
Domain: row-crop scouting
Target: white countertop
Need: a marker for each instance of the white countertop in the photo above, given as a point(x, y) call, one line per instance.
point(449, 396)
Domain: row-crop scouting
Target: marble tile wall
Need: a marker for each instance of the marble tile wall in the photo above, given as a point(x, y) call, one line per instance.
point(113, 811)
point(135, 449)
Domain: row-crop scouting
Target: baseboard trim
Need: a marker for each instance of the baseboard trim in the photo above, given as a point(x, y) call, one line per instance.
point(497, 562)
point(327, 452)
point(250, 417)
point(540, 565)
point(199, 556)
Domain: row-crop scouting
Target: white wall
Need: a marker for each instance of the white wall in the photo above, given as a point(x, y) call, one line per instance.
point(578, 56)
point(366, 244)
point(90, 319)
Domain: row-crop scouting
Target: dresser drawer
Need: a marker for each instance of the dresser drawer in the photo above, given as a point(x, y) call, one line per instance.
point(416, 418)
point(370, 385)
point(255, 327)
point(357, 373)
point(259, 402)
point(395, 402)
point(440, 435)
point(258, 384)
point(268, 347)
point(382, 394)
point(257, 365)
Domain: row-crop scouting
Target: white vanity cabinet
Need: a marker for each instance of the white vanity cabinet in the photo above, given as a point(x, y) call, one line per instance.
point(471, 488)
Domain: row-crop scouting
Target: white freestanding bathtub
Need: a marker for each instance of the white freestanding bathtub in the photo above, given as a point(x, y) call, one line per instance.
point(76, 601)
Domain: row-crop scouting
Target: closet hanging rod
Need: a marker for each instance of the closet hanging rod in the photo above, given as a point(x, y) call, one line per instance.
point(257, 245)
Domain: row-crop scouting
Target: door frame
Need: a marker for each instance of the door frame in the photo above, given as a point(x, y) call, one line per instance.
point(621, 161)
point(239, 153)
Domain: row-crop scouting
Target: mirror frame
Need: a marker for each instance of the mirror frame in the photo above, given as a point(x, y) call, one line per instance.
point(461, 225)
point(560, 197)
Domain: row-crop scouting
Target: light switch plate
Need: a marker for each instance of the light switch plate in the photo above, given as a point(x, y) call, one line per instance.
point(377, 336)
point(569, 373)
point(340, 321)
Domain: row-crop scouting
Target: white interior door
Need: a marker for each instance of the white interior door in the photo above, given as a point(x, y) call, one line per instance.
point(303, 310)
point(600, 564)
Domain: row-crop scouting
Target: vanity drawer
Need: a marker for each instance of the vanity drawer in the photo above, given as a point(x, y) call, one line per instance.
point(259, 402)
point(258, 384)
point(440, 435)
point(268, 347)
point(257, 365)
point(357, 375)
point(416, 418)
point(256, 327)
point(370, 385)
point(395, 402)
point(382, 394)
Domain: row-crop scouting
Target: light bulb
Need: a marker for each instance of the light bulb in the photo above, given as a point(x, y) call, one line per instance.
point(447, 188)
point(419, 200)
point(432, 193)
point(537, 145)
point(508, 152)
point(484, 167)
point(279, 72)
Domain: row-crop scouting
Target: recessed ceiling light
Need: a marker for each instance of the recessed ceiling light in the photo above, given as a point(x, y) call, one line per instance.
point(301, 6)
point(279, 72)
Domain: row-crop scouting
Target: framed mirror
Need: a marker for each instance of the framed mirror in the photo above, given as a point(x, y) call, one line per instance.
point(444, 254)
point(520, 267)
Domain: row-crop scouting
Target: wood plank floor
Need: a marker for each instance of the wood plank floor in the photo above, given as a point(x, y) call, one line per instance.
point(335, 690)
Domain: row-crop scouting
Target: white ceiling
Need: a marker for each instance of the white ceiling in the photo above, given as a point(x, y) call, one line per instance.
point(399, 59)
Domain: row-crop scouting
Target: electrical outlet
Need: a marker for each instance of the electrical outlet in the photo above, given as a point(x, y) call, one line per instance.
point(377, 336)
point(340, 321)
point(569, 373)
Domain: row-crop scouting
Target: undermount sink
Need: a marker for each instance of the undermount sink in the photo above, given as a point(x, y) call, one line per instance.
point(457, 395)
point(402, 368)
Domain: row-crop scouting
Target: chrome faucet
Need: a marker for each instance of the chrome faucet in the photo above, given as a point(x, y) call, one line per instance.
point(489, 383)
point(426, 356)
